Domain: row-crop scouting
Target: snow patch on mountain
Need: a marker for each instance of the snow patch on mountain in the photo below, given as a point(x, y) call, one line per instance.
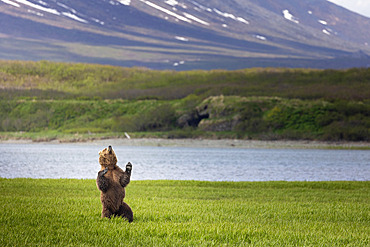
point(74, 17)
point(98, 21)
point(35, 6)
point(171, 2)
point(178, 63)
point(11, 3)
point(231, 16)
point(182, 18)
point(35, 12)
point(66, 7)
point(70, 13)
point(125, 2)
point(289, 16)
point(224, 14)
point(326, 31)
point(196, 19)
point(42, 3)
point(242, 20)
point(260, 37)
point(181, 38)
point(201, 7)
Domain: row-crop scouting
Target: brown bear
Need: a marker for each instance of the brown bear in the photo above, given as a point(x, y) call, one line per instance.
point(111, 181)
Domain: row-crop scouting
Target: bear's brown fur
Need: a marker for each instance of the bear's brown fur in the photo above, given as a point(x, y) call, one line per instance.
point(111, 181)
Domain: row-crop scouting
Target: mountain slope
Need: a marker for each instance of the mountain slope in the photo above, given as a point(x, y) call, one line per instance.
point(185, 34)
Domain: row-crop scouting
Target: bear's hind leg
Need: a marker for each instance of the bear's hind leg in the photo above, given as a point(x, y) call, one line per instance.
point(106, 213)
point(126, 212)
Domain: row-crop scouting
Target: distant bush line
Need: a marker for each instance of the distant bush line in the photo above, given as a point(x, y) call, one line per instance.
point(256, 103)
point(267, 118)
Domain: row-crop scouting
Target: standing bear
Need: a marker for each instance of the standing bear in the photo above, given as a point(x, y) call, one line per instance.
point(111, 181)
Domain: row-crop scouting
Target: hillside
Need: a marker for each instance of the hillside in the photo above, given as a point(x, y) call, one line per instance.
point(95, 101)
point(49, 80)
point(187, 34)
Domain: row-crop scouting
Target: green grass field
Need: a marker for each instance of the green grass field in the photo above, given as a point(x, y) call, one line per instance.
point(66, 212)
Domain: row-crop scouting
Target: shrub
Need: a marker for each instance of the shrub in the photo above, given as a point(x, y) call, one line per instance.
point(124, 124)
point(346, 131)
point(162, 117)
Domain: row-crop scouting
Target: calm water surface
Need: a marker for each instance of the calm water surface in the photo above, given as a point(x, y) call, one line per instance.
point(212, 164)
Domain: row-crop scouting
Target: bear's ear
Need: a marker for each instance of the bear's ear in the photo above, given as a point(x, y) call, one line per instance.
point(103, 151)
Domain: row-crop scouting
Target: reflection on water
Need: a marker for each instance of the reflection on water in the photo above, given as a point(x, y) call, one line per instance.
point(212, 164)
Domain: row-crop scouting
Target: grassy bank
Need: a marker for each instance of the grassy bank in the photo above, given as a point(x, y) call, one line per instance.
point(215, 117)
point(61, 99)
point(66, 212)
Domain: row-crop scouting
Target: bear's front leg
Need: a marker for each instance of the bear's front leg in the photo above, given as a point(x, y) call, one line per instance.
point(101, 181)
point(125, 178)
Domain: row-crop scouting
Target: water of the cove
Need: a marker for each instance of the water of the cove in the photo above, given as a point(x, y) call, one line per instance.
point(179, 163)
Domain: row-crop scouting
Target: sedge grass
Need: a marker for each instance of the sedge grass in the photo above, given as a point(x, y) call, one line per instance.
point(66, 212)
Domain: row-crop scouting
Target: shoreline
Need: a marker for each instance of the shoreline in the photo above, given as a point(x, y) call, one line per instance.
point(205, 143)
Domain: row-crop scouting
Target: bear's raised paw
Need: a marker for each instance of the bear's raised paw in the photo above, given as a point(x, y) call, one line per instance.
point(128, 167)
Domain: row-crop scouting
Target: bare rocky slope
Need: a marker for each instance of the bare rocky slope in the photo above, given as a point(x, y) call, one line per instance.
point(185, 34)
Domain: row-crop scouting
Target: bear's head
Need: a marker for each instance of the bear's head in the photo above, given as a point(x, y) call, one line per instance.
point(107, 158)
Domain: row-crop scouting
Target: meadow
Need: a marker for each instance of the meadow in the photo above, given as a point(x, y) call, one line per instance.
point(66, 212)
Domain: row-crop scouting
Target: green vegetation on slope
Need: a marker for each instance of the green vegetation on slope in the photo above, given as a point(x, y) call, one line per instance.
point(66, 212)
point(62, 80)
point(57, 98)
point(214, 117)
